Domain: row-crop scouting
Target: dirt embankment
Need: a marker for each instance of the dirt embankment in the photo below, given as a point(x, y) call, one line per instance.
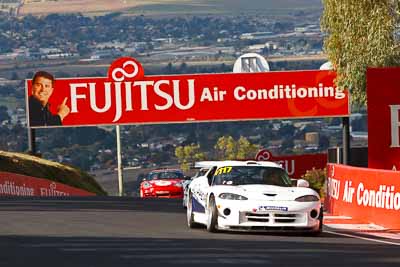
point(37, 167)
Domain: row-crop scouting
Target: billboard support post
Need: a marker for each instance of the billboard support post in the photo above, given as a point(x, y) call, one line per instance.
point(119, 162)
point(31, 141)
point(346, 140)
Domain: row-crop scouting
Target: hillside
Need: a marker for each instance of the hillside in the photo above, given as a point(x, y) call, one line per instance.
point(41, 168)
point(168, 7)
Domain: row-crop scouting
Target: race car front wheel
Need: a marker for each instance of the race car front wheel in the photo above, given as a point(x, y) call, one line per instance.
point(212, 216)
point(184, 201)
point(189, 213)
point(318, 231)
point(321, 222)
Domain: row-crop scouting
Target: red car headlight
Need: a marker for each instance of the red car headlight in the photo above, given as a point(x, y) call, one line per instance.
point(146, 185)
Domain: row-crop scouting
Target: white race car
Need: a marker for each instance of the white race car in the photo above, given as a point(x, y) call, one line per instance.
point(186, 183)
point(251, 196)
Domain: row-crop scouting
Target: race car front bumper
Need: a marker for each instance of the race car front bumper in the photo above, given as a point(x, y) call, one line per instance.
point(270, 215)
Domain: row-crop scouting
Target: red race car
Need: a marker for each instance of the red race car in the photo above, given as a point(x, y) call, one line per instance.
point(163, 183)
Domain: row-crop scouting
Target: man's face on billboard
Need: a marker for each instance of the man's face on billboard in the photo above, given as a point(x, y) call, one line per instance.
point(42, 89)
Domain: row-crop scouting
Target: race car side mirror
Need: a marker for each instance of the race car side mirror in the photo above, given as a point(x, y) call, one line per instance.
point(302, 183)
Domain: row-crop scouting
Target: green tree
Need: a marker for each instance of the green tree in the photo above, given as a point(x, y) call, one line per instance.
point(317, 180)
point(187, 155)
point(360, 34)
point(246, 149)
point(228, 148)
point(225, 148)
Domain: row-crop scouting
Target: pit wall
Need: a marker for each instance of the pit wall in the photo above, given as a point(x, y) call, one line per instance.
point(366, 195)
point(12, 184)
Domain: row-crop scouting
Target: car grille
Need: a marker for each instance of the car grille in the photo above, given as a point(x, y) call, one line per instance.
point(257, 217)
point(167, 193)
point(285, 218)
point(271, 217)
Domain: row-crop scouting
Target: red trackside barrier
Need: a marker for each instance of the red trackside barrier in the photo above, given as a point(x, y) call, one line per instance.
point(368, 195)
point(12, 184)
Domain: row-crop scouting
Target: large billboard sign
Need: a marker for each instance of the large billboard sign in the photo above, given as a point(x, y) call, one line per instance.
point(295, 165)
point(383, 92)
point(127, 96)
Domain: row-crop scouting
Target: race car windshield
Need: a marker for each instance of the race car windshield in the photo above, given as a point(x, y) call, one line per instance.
point(165, 175)
point(201, 172)
point(246, 175)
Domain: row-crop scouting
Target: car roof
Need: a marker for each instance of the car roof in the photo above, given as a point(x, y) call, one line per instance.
point(166, 170)
point(209, 164)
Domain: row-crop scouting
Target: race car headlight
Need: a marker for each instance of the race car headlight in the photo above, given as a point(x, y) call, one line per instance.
point(146, 185)
point(307, 198)
point(231, 196)
point(179, 184)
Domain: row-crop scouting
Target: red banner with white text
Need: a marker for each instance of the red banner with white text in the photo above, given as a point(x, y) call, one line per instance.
point(383, 92)
point(366, 195)
point(12, 184)
point(295, 165)
point(127, 96)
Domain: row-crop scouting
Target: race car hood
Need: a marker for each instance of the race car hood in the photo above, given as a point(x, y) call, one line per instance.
point(165, 182)
point(267, 192)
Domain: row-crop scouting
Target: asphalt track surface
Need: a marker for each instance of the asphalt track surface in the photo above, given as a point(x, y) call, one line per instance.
point(112, 231)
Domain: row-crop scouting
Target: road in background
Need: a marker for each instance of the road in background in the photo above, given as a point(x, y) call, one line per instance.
point(108, 179)
point(112, 231)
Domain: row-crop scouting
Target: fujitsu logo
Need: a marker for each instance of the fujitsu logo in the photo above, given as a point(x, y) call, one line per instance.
point(125, 75)
point(395, 124)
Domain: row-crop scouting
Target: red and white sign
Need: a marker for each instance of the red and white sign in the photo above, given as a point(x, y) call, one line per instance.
point(367, 195)
point(127, 96)
point(295, 165)
point(12, 184)
point(383, 92)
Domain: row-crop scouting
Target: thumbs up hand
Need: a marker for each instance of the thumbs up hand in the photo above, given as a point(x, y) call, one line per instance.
point(63, 110)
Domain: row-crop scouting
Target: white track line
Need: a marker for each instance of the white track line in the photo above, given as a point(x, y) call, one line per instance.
point(393, 236)
point(355, 226)
point(364, 238)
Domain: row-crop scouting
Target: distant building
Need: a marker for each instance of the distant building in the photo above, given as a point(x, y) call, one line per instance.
point(4, 81)
point(256, 48)
point(359, 138)
point(113, 45)
point(255, 35)
point(107, 53)
point(300, 29)
point(312, 138)
point(19, 116)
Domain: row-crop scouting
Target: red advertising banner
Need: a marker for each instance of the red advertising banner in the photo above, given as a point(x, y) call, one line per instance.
point(12, 184)
point(295, 165)
point(127, 96)
point(367, 195)
point(383, 92)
